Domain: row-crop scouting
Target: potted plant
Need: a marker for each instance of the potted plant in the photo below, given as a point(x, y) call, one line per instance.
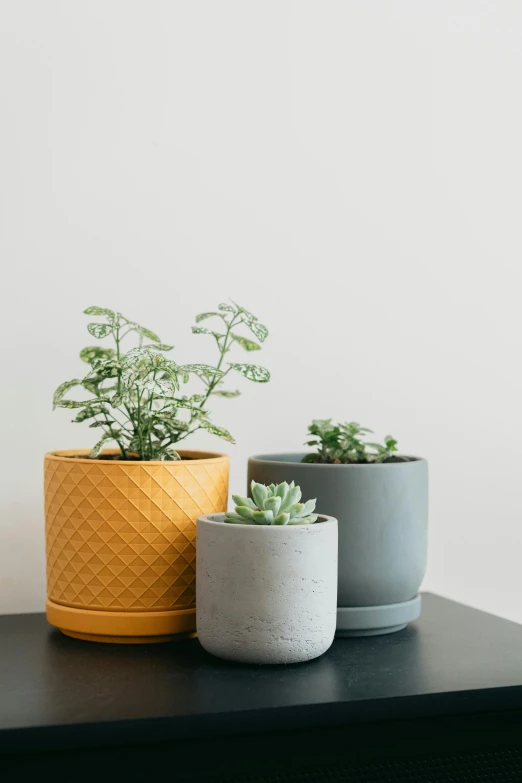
point(381, 501)
point(267, 578)
point(121, 522)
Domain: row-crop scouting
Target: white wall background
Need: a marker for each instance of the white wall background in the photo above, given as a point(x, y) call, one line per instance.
point(349, 170)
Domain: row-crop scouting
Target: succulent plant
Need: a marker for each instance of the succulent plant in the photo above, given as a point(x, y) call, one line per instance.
point(276, 504)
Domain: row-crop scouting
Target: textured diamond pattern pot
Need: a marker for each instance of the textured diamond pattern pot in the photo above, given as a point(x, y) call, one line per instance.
point(120, 542)
point(383, 531)
point(266, 593)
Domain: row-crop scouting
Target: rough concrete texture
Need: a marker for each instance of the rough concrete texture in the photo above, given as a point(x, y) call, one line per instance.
point(266, 594)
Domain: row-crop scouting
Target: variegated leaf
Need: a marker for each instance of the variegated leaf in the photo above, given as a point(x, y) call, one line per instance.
point(170, 372)
point(92, 385)
point(93, 352)
point(253, 372)
point(100, 330)
point(219, 431)
point(96, 450)
point(227, 308)
point(248, 345)
point(99, 311)
point(160, 347)
point(136, 355)
point(225, 393)
point(148, 334)
point(248, 317)
point(129, 378)
point(260, 331)
point(159, 386)
point(73, 403)
point(144, 360)
point(173, 424)
point(168, 455)
point(103, 368)
point(142, 331)
point(204, 316)
point(62, 389)
point(185, 404)
point(87, 413)
point(202, 330)
point(201, 368)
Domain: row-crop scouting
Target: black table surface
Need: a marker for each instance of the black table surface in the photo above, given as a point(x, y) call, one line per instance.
point(56, 690)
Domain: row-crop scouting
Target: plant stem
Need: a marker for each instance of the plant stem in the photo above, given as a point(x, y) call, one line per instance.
point(184, 435)
point(140, 436)
point(151, 400)
point(119, 442)
point(120, 424)
point(117, 339)
point(216, 379)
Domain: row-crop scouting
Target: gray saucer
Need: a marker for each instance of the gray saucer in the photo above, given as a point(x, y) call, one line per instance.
point(376, 620)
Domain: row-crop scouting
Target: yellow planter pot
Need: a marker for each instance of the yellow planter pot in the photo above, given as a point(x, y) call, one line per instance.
point(120, 542)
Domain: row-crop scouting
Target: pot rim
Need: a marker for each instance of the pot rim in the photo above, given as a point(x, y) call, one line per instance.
point(272, 459)
point(210, 519)
point(74, 455)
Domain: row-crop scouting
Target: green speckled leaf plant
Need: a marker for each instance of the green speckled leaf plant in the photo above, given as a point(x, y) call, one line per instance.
point(135, 397)
point(272, 505)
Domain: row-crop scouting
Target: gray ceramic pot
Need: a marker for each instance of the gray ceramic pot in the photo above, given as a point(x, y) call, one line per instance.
point(383, 529)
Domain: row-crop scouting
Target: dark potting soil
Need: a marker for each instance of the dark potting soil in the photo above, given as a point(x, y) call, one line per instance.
point(117, 458)
point(388, 461)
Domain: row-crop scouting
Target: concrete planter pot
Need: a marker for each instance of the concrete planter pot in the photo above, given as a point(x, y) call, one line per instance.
point(266, 594)
point(383, 530)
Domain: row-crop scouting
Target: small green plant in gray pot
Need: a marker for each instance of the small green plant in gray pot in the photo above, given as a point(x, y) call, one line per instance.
point(266, 578)
point(380, 499)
